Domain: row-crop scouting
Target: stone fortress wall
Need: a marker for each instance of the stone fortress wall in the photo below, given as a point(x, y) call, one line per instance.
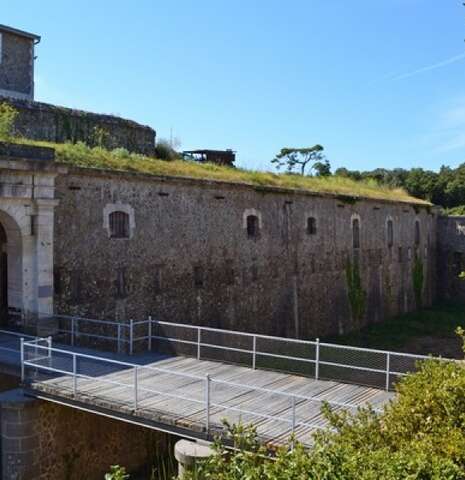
point(451, 258)
point(42, 121)
point(41, 440)
point(189, 257)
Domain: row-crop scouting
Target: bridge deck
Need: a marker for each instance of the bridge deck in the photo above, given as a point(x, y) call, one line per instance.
point(172, 392)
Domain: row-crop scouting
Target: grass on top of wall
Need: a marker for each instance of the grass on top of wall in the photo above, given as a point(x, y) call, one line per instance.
point(120, 159)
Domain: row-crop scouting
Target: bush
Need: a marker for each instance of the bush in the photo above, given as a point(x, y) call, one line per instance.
point(8, 115)
point(164, 151)
point(117, 473)
point(420, 435)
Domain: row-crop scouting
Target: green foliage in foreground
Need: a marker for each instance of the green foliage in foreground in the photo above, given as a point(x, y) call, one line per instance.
point(117, 473)
point(419, 436)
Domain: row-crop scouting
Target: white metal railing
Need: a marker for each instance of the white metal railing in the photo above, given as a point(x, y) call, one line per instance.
point(320, 360)
point(119, 333)
point(40, 355)
point(319, 355)
point(16, 338)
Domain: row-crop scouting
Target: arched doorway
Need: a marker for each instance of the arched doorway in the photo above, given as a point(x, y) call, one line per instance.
point(11, 270)
point(3, 277)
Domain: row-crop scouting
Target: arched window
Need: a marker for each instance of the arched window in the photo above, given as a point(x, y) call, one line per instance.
point(252, 226)
point(417, 232)
point(119, 225)
point(311, 226)
point(356, 233)
point(390, 233)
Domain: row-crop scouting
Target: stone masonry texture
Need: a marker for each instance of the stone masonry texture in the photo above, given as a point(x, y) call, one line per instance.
point(42, 121)
point(190, 260)
point(16, 64)
point(47, 441)
point(451, 258)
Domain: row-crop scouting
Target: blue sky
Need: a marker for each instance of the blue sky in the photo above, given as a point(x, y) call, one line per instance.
point(377, 83)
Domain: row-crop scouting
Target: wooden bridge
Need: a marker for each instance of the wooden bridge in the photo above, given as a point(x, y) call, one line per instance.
point(171, 386)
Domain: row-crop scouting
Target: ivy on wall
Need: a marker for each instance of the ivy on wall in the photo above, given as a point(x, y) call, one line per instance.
point(355, 291)
point(418, 278)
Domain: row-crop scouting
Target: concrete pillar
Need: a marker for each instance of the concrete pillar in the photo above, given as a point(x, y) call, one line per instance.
point(188, 454)
point(19, 438)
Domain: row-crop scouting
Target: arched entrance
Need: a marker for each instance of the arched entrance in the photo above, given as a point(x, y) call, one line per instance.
point(11, 270)
point(3, 277)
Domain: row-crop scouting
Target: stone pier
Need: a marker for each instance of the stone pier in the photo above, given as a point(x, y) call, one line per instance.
point(46, 441)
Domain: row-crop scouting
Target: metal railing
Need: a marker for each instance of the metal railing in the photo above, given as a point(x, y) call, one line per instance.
point(328, 361)
point(120, 334)
point(320, 360)
point(40, 356)
point(12, 342)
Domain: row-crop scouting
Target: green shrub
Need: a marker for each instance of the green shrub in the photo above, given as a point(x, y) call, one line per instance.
point(164, 151)
point(121, 152)
point(419, 436)
point(8, 115)
point(117, 473)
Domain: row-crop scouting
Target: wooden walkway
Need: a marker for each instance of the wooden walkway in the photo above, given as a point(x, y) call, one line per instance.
point(173, 393)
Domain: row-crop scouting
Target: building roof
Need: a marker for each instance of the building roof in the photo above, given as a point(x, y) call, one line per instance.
point(20, 33)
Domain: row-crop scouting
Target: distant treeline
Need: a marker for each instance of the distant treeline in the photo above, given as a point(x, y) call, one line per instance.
point(445, 188)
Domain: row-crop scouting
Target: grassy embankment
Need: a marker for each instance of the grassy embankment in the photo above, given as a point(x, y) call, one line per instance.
point(82, 156)
point(429, 331)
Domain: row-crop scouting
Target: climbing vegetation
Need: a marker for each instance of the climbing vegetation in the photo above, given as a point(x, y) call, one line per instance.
point(418, 279)
point(355, 291)
point(8, 115)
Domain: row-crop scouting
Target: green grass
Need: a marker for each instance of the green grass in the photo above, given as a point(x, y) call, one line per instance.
point(120, 160)
point(429, 331)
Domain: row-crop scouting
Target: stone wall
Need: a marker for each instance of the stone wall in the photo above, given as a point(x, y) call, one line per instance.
point(27, 201)
point(451, 258)
point(189, 257)
point(16, 66)
point(42, 121)
point(43, 441)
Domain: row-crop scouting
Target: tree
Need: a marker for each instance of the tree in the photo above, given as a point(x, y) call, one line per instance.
point(293, 158)
point(164, 151)
point(322, 169)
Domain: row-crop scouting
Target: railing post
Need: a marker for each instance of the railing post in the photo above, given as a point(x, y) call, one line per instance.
point(135, 388)
point(388, 366)
point(21, 349)
point(131, 336)
point(254, 355)
point(293, 420)
point(150, 333)
point(207, 403)
point(317, 359)
point(119, 337)
point(76, 329)
point(74, 375)
point(199, 330)
point(72, 331)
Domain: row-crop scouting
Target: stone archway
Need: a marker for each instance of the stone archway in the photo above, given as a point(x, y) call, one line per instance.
point(3, 277)
point(27, 204)
point(11, 268)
